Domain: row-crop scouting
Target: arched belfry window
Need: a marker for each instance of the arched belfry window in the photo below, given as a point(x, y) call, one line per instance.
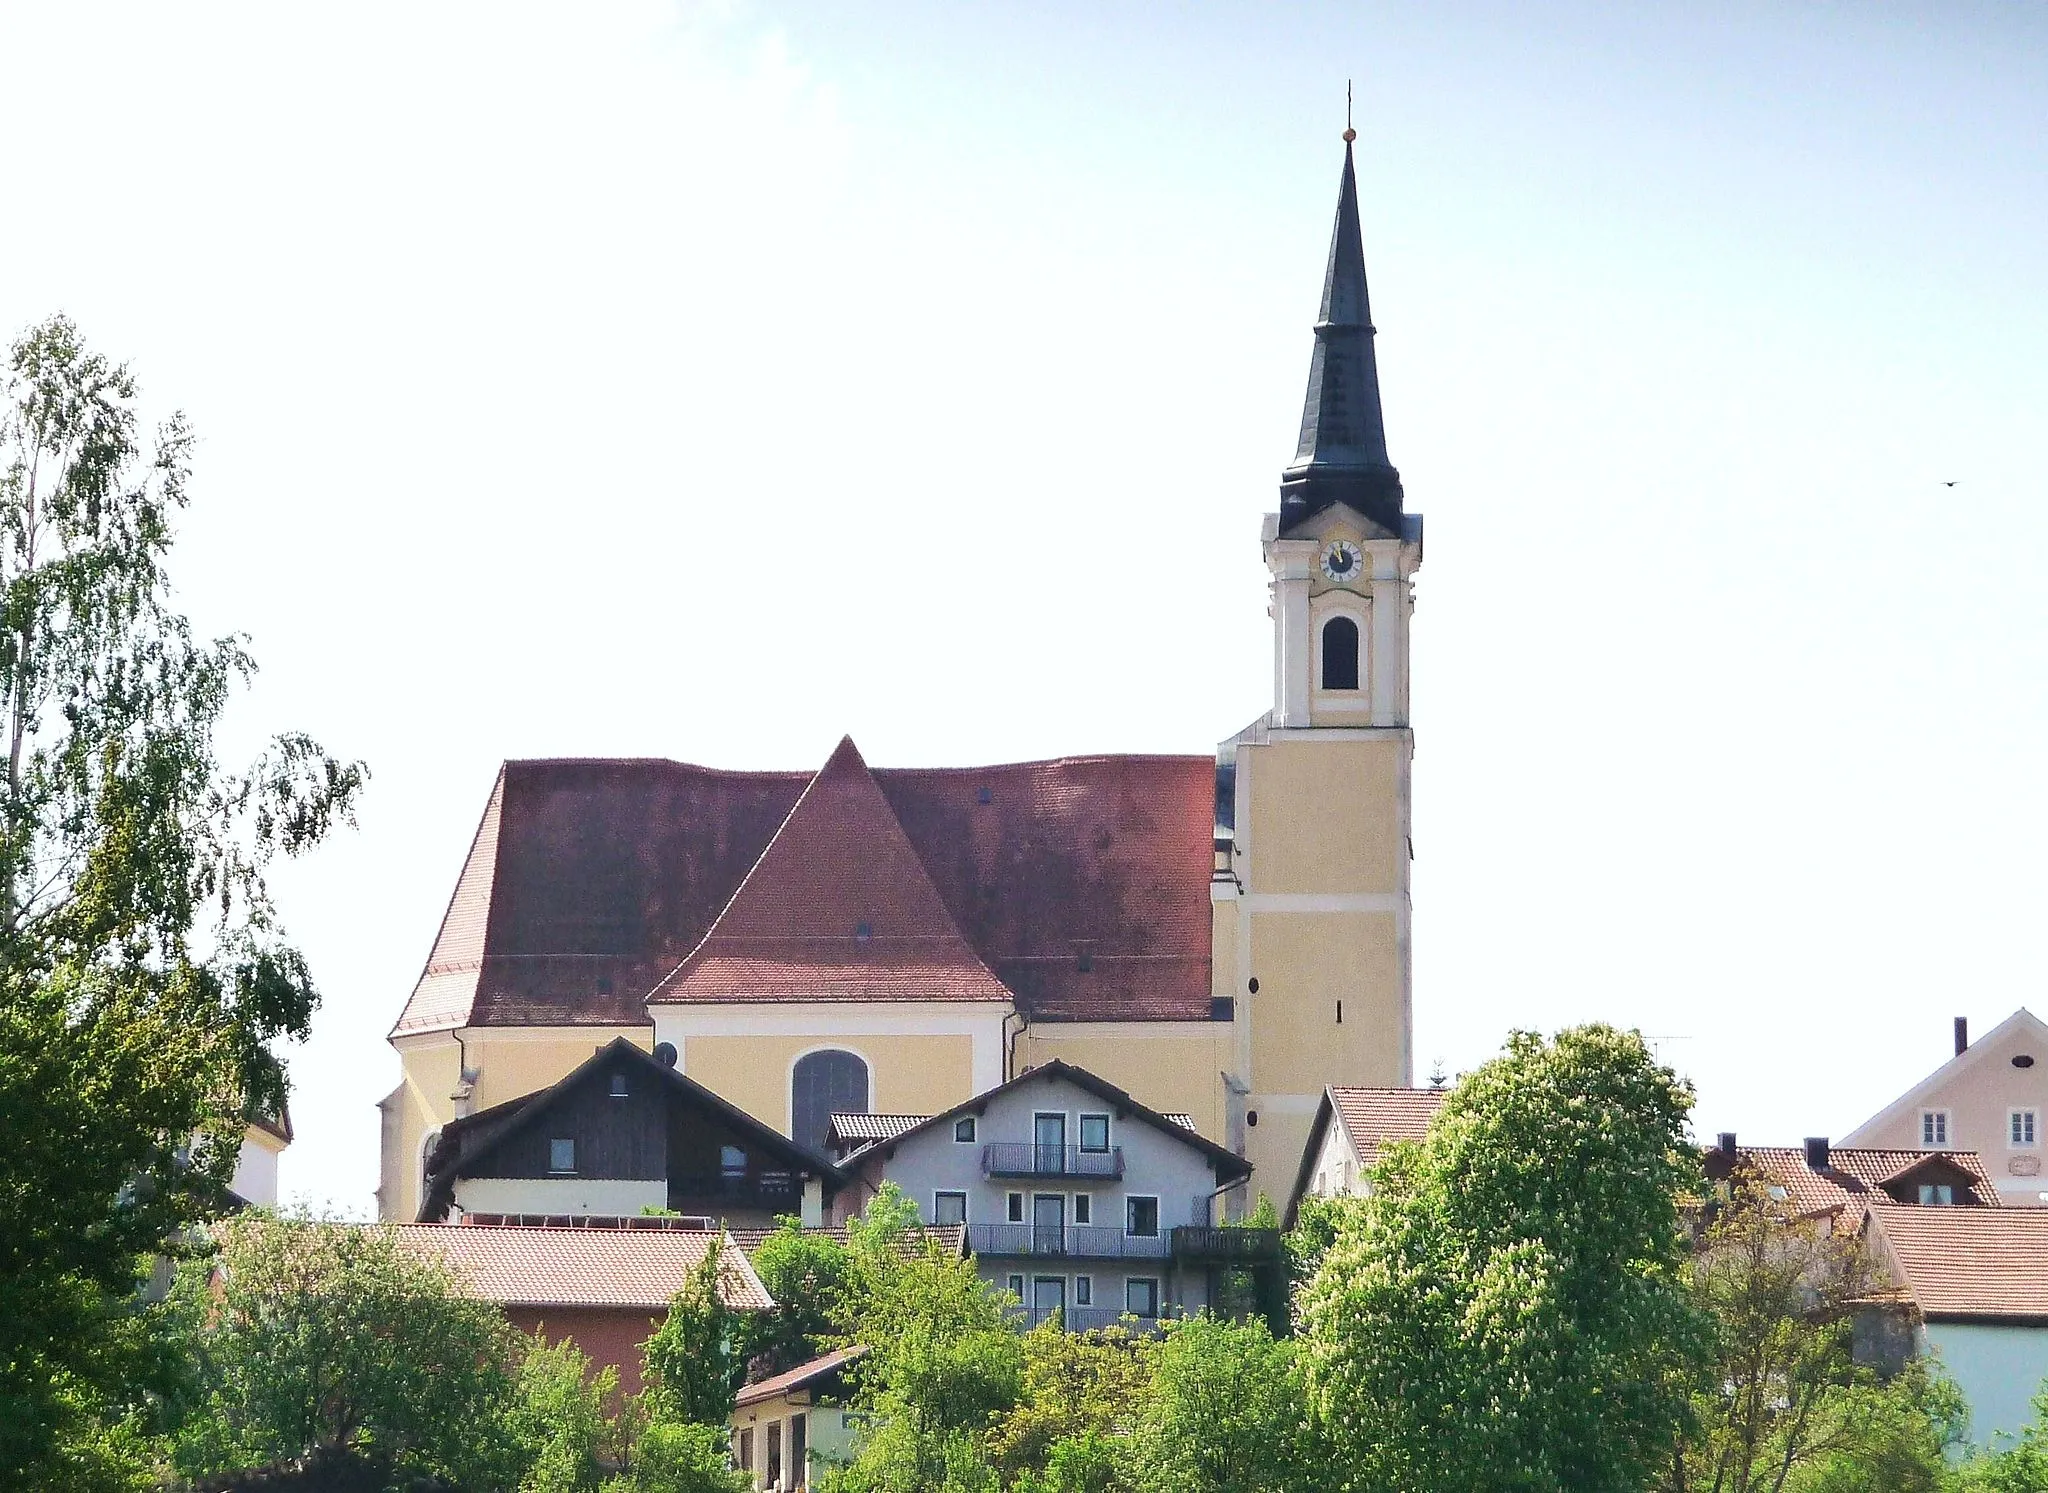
point(821, 1085)
point(1340, 654)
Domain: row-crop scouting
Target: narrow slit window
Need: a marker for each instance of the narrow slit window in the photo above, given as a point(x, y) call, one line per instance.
point(1340, 654)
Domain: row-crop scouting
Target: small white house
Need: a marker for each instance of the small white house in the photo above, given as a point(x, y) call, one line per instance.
point(1976, 1285)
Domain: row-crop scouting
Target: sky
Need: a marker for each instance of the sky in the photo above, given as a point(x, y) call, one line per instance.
point(708, 381)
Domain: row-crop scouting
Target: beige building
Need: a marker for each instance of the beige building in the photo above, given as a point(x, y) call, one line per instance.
point(1344, 1139)
point(787, 1430)
point(1991, 1097)
point(1222, 936)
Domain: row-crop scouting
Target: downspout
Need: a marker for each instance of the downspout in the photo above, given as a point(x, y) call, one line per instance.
point(1010, 1042)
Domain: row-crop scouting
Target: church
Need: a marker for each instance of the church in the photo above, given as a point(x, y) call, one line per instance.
point(1221, 936)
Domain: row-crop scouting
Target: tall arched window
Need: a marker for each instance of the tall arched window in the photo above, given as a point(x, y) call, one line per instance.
point(1340, 654)
point(821, 1085)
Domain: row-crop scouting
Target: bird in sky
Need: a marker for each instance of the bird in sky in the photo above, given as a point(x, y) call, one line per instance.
point(1951, 484)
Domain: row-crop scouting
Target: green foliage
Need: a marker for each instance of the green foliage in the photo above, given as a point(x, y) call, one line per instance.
point(2018, 1465)
point(696, 1360)
point(1078, 1401)
point(1509, 1308)
point(673, 1458)
point(1227, 1413)
point(808, 1274)
point(1784, 1404)
point(1316, 1224)
point(559, 1418)
point(142, 971)
point(329, 1338)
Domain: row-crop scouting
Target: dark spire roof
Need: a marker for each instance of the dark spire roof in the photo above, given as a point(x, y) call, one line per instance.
point(1342, 457)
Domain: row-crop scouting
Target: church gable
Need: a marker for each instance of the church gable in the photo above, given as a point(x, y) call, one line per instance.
point(838, 908)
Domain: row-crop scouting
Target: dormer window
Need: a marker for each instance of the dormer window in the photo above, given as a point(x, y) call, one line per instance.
point(1933, 1127)
point(1937, 1195)
point(1340, 653)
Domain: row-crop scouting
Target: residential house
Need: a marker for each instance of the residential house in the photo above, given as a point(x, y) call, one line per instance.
point(1344, 1138)
point(1074, 1195)
point(1972, 1285)
point(1990, 1097)
point(623, 1134)
point(607, 1288)
point(263, 1143)
point(786, 1428)
point(1841, 1183)
point(1221, 935)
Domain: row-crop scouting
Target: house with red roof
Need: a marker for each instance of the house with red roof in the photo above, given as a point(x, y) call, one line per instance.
point(1222, 934)
point(1344, 1139)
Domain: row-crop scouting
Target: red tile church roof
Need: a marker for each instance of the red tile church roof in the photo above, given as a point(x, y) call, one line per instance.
point(837, 908)
point(1081, 885)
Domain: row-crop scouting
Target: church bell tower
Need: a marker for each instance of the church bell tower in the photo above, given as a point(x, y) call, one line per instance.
point(1311, 892)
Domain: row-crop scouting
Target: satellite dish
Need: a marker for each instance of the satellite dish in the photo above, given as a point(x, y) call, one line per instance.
point(665, 1054)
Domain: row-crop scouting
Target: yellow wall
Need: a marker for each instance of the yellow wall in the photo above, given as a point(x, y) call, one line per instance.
point(1306, 962)
point(431, 1067)
point(1172, 1074)
point(510, 1062)
point(1324, 816)
point(909, 1075)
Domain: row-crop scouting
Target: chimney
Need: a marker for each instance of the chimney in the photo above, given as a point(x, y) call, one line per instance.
point(1962, 1035)
point(1728, 1144)
point(1817, 1152)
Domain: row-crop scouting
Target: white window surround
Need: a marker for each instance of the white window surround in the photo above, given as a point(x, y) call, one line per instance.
point(1084, 1290)
point(2022, 1129)
point(1137, 1288)
point(964, 1129)
point(1084, 1208)
point(939, 1212)
point(1321, 609)
point(1017, 1286)
point(1158, 1224)
point(1081, 1136)
point(1934, 1129)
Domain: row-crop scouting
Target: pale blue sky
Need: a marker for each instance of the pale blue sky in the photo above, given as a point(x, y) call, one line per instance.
point(707, 382)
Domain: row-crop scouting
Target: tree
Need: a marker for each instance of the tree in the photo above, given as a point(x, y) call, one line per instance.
point(1079, 1398)
point(1227, 1413)
point(143, 974)
point(560, 1418)
point(330, 1340)
point(696, 1360)
point(1509, 1309)
point(808, 1274)
point(1784, 1402)
point(671, 1458)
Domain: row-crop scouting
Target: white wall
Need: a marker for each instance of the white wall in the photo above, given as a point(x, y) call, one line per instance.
point(607, 1196)
point(256, 1175)
point(1999, 1370)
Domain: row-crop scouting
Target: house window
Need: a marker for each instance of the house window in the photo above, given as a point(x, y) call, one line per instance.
point(1084, 1290)
point(1095, 1134)
point(1141, 1217)
point(949, 1208)
point(774, 1454)
point(2020, 1127)
point(799, 1452)
point(618, 1086)
point(1937, 1195)
point(1016, 1207)
point(821, 1085)
point(1340, 654)
point(1934, 1127)
point(963, 1130)
point(1141, 1296)
point(1017, 1286)
point(561, 1155)
point(1084, 1208)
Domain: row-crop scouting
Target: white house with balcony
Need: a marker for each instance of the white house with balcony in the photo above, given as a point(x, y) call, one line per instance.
point(1075, 1196)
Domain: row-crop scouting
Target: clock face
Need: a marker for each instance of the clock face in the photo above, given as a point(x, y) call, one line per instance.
point(1342, 560)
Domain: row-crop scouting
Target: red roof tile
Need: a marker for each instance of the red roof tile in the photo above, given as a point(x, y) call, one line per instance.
point(837, 908)
point(798, 1377)
point(637, 1269)
point(1372, 1117)
point(590, 881)
point(1971, 1263)
point(1855, 1176)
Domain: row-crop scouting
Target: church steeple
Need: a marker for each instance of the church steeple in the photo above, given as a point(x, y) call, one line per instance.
point(1342, 457)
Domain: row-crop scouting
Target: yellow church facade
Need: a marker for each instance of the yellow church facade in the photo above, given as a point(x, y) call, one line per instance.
point(1222, 936)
